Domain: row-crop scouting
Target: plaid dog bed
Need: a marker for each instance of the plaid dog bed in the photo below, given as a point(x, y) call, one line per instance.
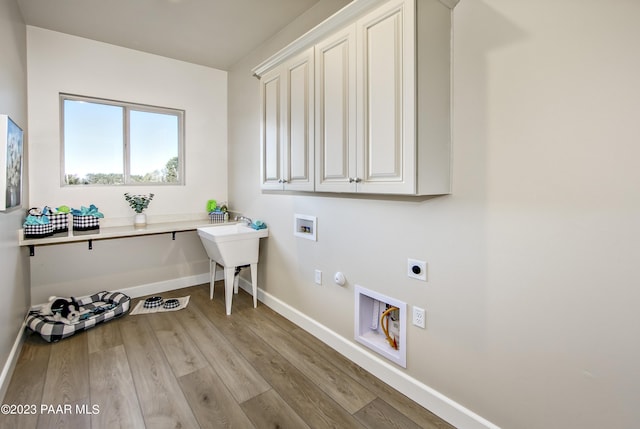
point(98, 308)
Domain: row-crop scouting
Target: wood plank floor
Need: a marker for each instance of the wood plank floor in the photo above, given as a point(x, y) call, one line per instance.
point(198, 368)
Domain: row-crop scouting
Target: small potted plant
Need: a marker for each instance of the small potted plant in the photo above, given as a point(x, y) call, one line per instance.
point(139, 203)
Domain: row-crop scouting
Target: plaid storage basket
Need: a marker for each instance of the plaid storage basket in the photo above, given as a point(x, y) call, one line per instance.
point(60, 222)
point(100, 307)
point(85, 223)
point(38, 231)
point(216, 217)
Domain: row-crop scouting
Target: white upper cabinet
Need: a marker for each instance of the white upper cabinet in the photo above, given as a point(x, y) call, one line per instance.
point(382, 101)
point(287, 96)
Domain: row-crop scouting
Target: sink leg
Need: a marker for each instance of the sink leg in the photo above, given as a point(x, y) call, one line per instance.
point(236, 279)
point(254, 284)
point(229, 273)
point(212, 276)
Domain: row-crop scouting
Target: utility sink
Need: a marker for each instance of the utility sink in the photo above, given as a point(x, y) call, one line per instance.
point(231, 246)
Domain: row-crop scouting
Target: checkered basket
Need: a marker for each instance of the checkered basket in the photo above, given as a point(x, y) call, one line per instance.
point(216, 217)
point(85, 223)
point(38, 231)
point(60, 222)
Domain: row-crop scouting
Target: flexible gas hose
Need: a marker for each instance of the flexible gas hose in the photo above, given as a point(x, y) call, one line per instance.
point(392, 342)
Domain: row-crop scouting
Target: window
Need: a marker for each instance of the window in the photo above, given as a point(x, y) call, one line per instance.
point(106, 142)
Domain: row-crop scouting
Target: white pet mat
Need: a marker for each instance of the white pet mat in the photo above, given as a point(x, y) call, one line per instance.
point(139, 309)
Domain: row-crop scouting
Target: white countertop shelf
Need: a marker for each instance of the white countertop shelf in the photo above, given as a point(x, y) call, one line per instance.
point(110, 232)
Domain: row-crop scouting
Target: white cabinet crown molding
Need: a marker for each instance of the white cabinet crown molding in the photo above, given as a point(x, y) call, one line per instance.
point(341, 18)
point(450, 3)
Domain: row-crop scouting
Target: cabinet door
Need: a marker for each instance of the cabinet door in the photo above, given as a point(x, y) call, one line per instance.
point(386, 96)
point(298, 173)
point(336, 112)
point(271, 131)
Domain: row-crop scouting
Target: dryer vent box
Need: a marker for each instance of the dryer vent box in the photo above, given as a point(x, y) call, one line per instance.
point(305, 226)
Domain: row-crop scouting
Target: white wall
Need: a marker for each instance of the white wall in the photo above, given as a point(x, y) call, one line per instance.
point(64, 63)
point(61, 63)
point(532, 299)
point(14, 262)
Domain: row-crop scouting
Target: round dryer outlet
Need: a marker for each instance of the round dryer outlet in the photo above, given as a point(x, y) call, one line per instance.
point(417, 269)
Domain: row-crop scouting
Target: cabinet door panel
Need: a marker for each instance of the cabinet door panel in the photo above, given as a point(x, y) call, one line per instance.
point(335, 112)
point(336, 120)
point(383, 133)
point(271, 131)
point(298, 154)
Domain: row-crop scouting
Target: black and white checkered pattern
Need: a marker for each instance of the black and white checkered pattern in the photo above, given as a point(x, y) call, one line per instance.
point(171, 303)
point(85, 223)
point(38, 231)
point(153, 302)
point(116, 304)
point(60, 222)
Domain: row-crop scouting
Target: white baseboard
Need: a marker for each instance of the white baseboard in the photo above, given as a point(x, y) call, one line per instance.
point(424, 395)
point(166, 285)
point(159, 287)
point(173, 284)
point(12, 360)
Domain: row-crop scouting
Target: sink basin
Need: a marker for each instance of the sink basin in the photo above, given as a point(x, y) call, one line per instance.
point(231, 246)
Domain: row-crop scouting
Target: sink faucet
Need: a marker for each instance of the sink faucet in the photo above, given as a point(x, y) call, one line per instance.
point(244, 219)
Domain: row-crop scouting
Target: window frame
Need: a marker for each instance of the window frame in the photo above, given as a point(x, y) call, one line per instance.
point(126, 134)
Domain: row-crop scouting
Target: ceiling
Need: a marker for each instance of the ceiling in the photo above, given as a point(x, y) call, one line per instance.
point(214, 33)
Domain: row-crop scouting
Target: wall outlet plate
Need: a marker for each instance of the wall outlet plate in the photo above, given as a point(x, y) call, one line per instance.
point(417, 269)
point(318, 277)
point(419, 317)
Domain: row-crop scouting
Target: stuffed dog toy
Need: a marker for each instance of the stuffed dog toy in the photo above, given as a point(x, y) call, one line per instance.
point(66, 310)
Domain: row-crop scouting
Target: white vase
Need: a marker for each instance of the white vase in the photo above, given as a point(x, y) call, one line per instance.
point(140, 220)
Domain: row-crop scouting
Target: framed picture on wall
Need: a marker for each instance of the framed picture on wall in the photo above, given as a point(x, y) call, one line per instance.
point(10, 164)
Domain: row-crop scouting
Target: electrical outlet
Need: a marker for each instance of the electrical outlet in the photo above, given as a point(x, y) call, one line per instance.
point(318, 277)
point(417, 269)
point(419, 317)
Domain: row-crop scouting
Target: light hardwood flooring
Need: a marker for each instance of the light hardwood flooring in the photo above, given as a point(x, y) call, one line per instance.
point(198, 368)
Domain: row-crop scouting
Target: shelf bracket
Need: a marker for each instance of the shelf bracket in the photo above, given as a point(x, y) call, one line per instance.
point(32, 250)
point(90, 244)
point(173, 236)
